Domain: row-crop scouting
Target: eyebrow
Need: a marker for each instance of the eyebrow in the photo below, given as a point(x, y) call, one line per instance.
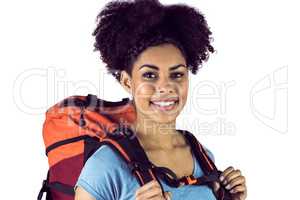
point(156, 68)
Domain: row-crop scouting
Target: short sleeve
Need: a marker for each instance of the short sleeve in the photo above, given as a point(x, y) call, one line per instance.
point(98, 176)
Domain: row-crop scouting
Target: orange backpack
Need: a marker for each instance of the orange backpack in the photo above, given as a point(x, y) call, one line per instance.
point(77, 126)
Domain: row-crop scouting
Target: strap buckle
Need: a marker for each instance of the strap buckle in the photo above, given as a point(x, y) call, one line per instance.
point(191, 180)
point(187, 180)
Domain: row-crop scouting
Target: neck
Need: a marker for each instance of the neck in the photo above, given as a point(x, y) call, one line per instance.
point(156, 136)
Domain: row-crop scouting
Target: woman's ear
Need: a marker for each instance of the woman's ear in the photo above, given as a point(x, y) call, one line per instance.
point(125, 81)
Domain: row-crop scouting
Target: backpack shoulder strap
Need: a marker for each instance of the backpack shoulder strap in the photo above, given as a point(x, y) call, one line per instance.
point(209, 168)
point(201, 155)
point(132, 153)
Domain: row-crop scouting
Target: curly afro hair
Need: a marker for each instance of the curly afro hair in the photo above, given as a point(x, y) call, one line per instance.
point(126, 28)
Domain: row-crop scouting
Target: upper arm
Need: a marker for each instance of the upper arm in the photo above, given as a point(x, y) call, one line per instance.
point(82, 194)
point(99, 176)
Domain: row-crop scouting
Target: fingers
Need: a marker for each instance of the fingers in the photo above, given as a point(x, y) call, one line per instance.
point(233, 180)
point(224, 174)
point(149, 191)
point(168, 195)
point(231, 177)
point(148, 186)
point(216, 186)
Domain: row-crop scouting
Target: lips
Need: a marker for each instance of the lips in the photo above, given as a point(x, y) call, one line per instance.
point(165, 100)
point(165, 104)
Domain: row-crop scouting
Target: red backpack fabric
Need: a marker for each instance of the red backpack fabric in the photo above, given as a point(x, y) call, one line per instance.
point(77, 126)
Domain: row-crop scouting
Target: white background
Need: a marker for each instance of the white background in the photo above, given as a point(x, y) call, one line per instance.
point(245, 114)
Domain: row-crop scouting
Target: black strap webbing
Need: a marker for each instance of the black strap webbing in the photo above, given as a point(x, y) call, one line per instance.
point(61, 187)
point(137, 162)
point(92, 101)
point(205, 162)
point(203, 180)
point(209, 168)
point(66, 141)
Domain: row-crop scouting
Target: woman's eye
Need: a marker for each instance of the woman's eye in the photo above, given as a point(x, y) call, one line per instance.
point(149, 75)
point(177, 75)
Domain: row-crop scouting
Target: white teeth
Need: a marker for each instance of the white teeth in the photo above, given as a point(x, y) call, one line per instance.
point(164, 103)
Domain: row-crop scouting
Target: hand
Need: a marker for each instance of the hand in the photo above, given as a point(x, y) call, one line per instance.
point(234, 182)
point(151, 191)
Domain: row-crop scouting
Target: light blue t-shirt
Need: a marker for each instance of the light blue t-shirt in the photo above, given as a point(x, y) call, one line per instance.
point(106, 176)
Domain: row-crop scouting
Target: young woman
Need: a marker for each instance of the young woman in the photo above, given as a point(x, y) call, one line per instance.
point(150, 48)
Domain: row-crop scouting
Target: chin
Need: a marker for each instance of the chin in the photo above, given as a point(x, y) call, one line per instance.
point(163, 119)
point(159, 113)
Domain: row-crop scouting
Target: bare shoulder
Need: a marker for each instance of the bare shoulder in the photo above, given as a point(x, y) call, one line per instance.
point(82, 194)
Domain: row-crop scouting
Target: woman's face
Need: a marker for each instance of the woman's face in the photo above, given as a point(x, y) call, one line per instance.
point(159, 83)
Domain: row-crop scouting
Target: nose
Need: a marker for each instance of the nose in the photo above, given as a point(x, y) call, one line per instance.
point(165, 87)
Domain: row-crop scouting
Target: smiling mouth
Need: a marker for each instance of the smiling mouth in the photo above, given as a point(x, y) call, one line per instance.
point(164, 105)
